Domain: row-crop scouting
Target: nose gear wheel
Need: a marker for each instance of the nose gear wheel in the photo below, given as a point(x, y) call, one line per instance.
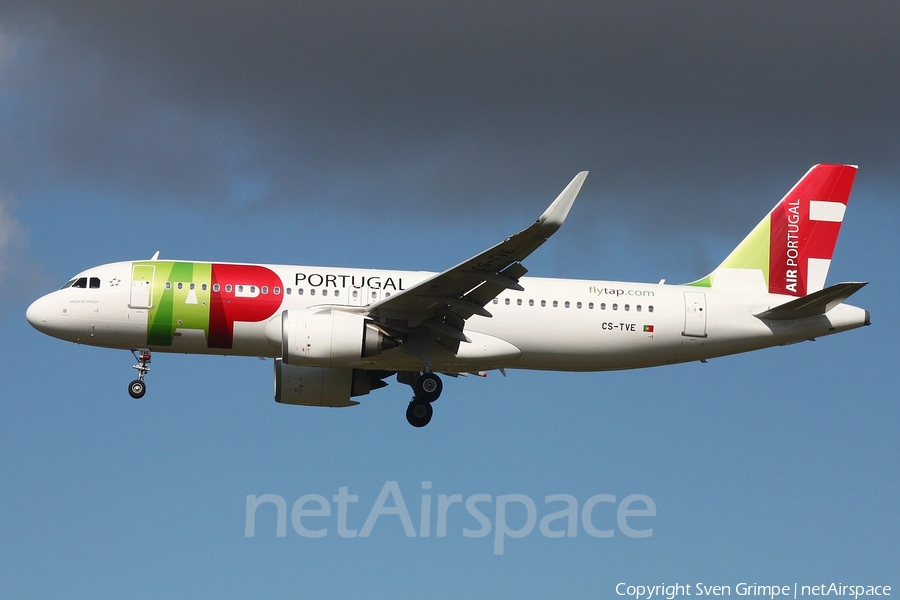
point(137, 388)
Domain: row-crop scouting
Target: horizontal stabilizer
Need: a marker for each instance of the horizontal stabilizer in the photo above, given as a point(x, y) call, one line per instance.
point(817, 303)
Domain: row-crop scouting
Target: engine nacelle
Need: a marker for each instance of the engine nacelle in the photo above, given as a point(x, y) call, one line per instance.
point(322, 386)
point(327, 338)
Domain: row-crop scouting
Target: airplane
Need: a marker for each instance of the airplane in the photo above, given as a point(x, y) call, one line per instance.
point(337, 333)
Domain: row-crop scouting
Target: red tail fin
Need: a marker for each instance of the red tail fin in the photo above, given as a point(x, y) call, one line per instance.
point(790, 250)
point(805, 227)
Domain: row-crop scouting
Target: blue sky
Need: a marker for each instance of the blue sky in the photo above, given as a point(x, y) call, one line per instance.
point(298, 135)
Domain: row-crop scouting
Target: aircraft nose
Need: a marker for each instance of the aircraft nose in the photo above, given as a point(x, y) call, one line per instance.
point(37, 314)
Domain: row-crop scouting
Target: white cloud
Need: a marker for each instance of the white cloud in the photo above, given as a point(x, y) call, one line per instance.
point(20, 275)
point(12, 238)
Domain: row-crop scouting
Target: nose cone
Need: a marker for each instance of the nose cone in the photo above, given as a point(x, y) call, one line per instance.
point(38, 314)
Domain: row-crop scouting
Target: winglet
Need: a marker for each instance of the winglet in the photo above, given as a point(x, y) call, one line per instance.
point(556, 213)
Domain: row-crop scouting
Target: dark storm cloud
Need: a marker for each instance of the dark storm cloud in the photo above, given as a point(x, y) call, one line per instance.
point(430, 106)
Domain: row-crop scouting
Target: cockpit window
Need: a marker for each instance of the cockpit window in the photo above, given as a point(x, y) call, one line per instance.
point(83, 283)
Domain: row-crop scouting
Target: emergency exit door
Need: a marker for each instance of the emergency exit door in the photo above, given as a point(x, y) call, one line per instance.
point(694, 314)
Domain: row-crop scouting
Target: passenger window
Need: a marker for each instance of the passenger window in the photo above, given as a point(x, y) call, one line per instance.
point(543, 303)
point(203, 287)
point(567, 304)
point(299, 291)
point(192, 286)
point(277, 291)
point(590, 306)
point(627, 307)
point(216, 287)
point(240, 288)
point(337, 292)
point(287, 291)
point(168, 285)
point(95, 283)
point(603, 306)
point(578, 305)
point(312, 291)
point(519, 302)
point(180, 286)
point(555, 304)
point(615, 306)
point(506, 302)
point(650, 308)
point(324, 292)
point(638, 308)
point(355, 294)
point(265, 289)
point(228, 287)
point(531, 303)
point(496, 300)
point(374, 295)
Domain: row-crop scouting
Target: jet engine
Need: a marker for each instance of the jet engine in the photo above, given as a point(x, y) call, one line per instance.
point(327, 338)
point(323, 386)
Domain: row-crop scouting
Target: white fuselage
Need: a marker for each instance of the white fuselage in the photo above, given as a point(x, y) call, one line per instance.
point(554, 324)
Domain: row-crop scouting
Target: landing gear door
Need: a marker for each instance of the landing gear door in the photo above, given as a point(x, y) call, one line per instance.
point(694, 314)
point(142, 286)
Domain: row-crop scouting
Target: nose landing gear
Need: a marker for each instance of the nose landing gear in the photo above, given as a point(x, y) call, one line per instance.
point(427, 388)
point(137, 388)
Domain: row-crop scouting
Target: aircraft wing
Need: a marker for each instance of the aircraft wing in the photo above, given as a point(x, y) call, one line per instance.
point(437, 308)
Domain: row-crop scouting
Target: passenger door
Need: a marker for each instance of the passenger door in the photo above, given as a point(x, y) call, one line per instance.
point(142, 286)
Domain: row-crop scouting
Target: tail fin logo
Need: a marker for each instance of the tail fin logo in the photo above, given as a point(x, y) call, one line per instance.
point(804, 229)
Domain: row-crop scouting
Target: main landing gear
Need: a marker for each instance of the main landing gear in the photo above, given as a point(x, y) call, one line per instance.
point(427, 388)
point(138, 388)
